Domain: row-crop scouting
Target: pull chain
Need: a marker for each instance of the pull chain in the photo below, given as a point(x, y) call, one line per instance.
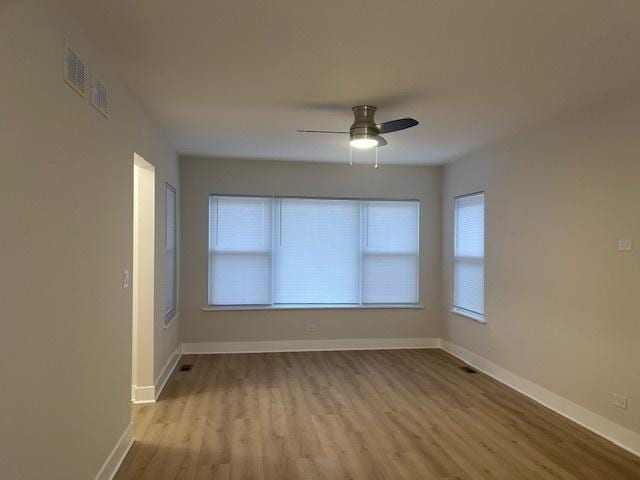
point(376, 164)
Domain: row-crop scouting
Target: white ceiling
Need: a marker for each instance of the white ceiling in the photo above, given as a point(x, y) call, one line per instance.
point(236, 78)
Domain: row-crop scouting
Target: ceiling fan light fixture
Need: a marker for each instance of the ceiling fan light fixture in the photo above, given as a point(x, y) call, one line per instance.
point(365, 133)
point(363, 143)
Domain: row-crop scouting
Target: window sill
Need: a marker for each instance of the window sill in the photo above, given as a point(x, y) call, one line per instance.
point(465, 313)
point(169, 320)
point(310, 307)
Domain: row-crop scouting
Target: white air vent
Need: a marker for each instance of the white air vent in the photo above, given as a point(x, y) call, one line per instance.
point(75, 70)
point(99, 98)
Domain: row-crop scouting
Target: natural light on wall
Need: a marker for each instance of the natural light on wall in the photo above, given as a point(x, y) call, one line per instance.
point(273, 251)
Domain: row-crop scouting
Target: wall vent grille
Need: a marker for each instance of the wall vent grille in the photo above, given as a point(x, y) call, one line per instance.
point(99, 96)
point(75, 70)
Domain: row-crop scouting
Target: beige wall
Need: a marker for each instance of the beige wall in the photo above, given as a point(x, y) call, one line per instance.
point(66, 179)
point(202, 176)
point(561, 301)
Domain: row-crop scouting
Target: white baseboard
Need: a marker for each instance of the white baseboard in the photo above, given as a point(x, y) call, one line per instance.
point(143, 394)
point(615, 433)
point(116, 457)
point(310, 345)
point(150, 394)
point(168, 369)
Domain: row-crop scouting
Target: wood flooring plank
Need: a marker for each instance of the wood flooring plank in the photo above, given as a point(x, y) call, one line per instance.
point(246, 450)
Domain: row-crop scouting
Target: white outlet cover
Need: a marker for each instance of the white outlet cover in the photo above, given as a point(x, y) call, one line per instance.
point(624, 245)
point(126, 279)
point(620, 401)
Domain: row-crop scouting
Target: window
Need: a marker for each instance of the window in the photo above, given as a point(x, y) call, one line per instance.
point(171, 254)
point(317, 255)
point(240, 239)
point(279, 251)
point(468, 283)
point(390, 252)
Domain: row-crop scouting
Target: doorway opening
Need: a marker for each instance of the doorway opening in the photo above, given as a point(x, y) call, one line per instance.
point(143, 288)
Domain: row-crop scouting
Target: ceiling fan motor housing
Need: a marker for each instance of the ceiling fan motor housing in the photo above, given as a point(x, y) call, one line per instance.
point(364, 125)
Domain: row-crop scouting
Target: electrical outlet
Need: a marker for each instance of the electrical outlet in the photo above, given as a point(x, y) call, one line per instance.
point(311, 327)
point(624, 245)
point(126, 279)
point(620, 401)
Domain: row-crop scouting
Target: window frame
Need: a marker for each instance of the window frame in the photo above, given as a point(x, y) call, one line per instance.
point(170, 314)
point(211, 254)
point(462, 311)
point(365, 203)
point(328, 306)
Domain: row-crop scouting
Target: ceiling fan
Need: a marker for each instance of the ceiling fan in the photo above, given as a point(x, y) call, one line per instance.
point(365, 132)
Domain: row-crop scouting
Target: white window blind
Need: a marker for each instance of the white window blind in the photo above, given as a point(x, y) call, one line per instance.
point(468, 292)
point(390, 252)
point(317, 257)
point(240, 239)
point(293, 251)
point(171, 254)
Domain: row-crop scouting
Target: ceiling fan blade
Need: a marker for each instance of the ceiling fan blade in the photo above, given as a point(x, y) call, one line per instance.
point(395, 125)
point(318, 131)
point(381, 141)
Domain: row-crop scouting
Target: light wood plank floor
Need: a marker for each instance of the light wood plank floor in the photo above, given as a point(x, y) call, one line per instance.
point(403, 414)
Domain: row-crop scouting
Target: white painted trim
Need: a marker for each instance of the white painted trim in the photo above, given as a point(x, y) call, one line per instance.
point(150, 394)
point(468, 314)
point(168, 369)
point(144, 394)
point(172, 318)
point(117, 455)
point(615, 433)
point(313, 306)
point(310, 345)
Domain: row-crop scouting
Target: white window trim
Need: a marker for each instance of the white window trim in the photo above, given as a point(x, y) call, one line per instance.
point(172, 315)
point(213, 308)
point(170, 319)
point(321, 306)
point(463, 312)
point(468, 314)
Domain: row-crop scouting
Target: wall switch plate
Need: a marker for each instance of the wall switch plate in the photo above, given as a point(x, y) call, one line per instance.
point(126, 279)
point(624, 245)
point(620, 401)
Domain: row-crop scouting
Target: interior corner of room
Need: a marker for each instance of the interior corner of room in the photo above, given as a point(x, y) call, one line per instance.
point(240, 243)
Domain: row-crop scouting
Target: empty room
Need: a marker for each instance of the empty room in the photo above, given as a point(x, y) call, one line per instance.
point(338, 240)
